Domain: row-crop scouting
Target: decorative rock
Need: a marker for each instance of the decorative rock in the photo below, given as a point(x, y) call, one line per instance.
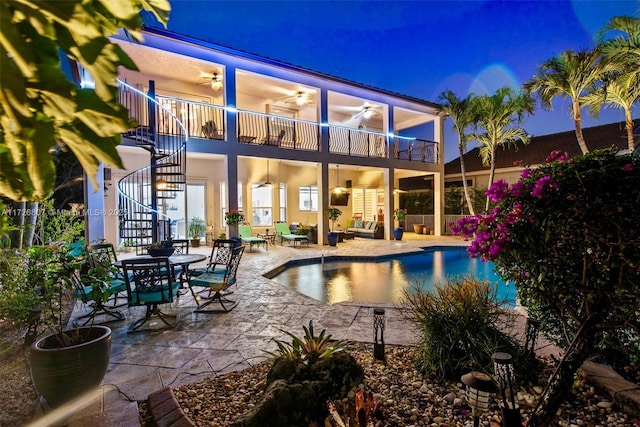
point(604, 404)
point(449, 397)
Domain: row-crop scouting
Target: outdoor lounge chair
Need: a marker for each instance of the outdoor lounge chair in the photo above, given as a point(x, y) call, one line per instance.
point(284, 232)
point(246, 235)
point(150, 283)
point(218, 284)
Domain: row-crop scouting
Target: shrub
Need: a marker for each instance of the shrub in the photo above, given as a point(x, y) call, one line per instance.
point(461, 325)
point(309, 348)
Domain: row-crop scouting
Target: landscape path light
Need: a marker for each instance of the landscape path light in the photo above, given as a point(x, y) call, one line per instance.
point(379, 324)
point(531, 335)
point(506, 378)
point(479, 388)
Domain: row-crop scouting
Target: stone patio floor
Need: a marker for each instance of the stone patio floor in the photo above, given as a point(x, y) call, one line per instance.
point(205, 345)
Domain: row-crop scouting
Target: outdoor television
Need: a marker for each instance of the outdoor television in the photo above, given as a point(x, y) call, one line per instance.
point(340, 199)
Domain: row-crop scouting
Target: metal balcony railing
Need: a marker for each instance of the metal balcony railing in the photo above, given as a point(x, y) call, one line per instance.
point(357, 142)
point(265, 129)
point(201, 120)
point(415, 150)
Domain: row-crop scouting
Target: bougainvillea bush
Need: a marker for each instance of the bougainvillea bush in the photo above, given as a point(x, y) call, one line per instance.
point(568, 235)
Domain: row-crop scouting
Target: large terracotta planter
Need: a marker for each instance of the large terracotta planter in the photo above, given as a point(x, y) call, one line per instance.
point(64, 373)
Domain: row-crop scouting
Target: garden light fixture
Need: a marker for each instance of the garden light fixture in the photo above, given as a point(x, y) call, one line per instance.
point(379, 323)
point(531, 335)
point(479, 389)
point(506, 378)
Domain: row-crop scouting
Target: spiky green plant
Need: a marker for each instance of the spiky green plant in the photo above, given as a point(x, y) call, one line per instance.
point(308, 349)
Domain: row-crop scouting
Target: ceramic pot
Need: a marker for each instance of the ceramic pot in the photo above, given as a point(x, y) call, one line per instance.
point(61, 374)
point(397, 233)
point(332, 238)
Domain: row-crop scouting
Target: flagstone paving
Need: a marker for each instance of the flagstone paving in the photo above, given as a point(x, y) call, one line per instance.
point(204, 345)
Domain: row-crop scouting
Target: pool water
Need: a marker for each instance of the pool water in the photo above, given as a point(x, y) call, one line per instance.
point(384, 281)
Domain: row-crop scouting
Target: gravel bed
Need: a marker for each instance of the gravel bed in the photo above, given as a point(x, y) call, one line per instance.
point(407, 397)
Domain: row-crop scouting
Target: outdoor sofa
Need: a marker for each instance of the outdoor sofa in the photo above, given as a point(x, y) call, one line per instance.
point(366, 229)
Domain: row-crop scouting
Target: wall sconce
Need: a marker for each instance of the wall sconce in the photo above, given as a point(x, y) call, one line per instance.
point(506, 377)
point(480, 386)
point(379, 323)
point(531, 335)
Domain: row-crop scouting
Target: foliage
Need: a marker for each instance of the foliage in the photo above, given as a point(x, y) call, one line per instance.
point(567, 236)
point(463, 114)
point(57, 225)
point(468, 310)
point(360, 412)
point(333, 214)
point(303, 230)
point(399, 214)
point(16, 300)
point(40, 110)
point(418, 202)
point(162, 244)
point(196, 227)
point(308, 349)
point(234, 217)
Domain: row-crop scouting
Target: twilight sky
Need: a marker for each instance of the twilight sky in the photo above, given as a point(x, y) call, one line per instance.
point(416, 48)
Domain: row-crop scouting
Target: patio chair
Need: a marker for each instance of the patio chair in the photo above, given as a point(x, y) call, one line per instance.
point(101, 253)
point(218, 284)
point(88, 296)
point(275, 140)
point(210, 130)
point(181, 246)
point(219, 258)
point(284, 233)
point(150, 282)
point(246, 235)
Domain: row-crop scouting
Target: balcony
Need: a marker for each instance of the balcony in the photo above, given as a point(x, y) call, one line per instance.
point(208, 122)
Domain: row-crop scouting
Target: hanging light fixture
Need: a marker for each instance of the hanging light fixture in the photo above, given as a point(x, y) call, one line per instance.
point(301, 98)
point(338, 188)
point(216, 82)
point(267, 183)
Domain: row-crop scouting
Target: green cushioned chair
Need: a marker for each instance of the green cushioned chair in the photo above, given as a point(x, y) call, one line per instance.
point(284, 233)
point(218, 284)
point(246, 235)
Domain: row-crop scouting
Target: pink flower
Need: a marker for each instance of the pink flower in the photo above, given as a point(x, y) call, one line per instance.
point(498, 191)
point(628, 167)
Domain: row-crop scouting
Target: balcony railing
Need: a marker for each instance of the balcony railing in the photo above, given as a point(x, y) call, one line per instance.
point(357, 142)
point(200, 119)
point(207, 121)
point(416, 150)
point(265, 129)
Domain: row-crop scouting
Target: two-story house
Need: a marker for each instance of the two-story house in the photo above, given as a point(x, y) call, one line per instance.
point(218, 129)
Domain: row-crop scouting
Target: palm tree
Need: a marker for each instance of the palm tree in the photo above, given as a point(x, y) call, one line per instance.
point(620, 88)
point(496, 115)
point(462, 113)
point(571, 74)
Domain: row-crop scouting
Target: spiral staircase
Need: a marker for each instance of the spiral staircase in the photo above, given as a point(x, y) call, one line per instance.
point(143, 194)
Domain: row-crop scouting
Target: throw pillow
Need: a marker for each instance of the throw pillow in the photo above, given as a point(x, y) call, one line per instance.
point(350, 223)
point(368, 225)
point(357, 224)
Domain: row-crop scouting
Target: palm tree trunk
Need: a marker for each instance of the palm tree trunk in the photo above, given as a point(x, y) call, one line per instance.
point(577, 118)
point(16, 213)
point(30, 224)
point(560, 383)
point(629, 127)
point(464, 182)
point(491, 175)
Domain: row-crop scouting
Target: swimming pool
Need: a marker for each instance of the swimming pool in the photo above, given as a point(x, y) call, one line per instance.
point(384, 281)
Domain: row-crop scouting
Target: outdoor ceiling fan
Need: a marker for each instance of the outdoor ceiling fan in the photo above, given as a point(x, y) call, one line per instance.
point(299, 98)
point(212, 79)
point(267, 183)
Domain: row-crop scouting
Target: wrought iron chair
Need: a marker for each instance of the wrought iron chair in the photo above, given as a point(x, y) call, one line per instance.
point(219, 257)
point(100, 254)
point(150, 282)
point(88, 295)
point(217, 284)
point(181, 246)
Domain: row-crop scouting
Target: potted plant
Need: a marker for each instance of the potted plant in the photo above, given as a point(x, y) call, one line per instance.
point(64, 363)
point(233, 218)
point(163, 248)
point(333, 214)
point(399, 215)
point(196, 230)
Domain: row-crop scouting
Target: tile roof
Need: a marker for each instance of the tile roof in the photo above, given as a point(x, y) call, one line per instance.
point(604, 136)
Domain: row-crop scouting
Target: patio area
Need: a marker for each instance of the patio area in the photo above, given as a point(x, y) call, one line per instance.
point(205, 345)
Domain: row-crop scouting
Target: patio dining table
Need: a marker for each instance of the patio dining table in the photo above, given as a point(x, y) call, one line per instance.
point(177, 260)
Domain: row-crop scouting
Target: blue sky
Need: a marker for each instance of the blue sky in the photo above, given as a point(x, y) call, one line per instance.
point(417, 48)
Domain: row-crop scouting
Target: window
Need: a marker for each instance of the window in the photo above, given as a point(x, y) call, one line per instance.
point(283, 202)
point(308, 198)
point(223, 201)
point(262, 205)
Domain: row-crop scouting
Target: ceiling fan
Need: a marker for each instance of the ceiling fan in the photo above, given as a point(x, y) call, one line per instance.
point(366, 111)
point(267, 183)
point(299, 98)
point(212, 79)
